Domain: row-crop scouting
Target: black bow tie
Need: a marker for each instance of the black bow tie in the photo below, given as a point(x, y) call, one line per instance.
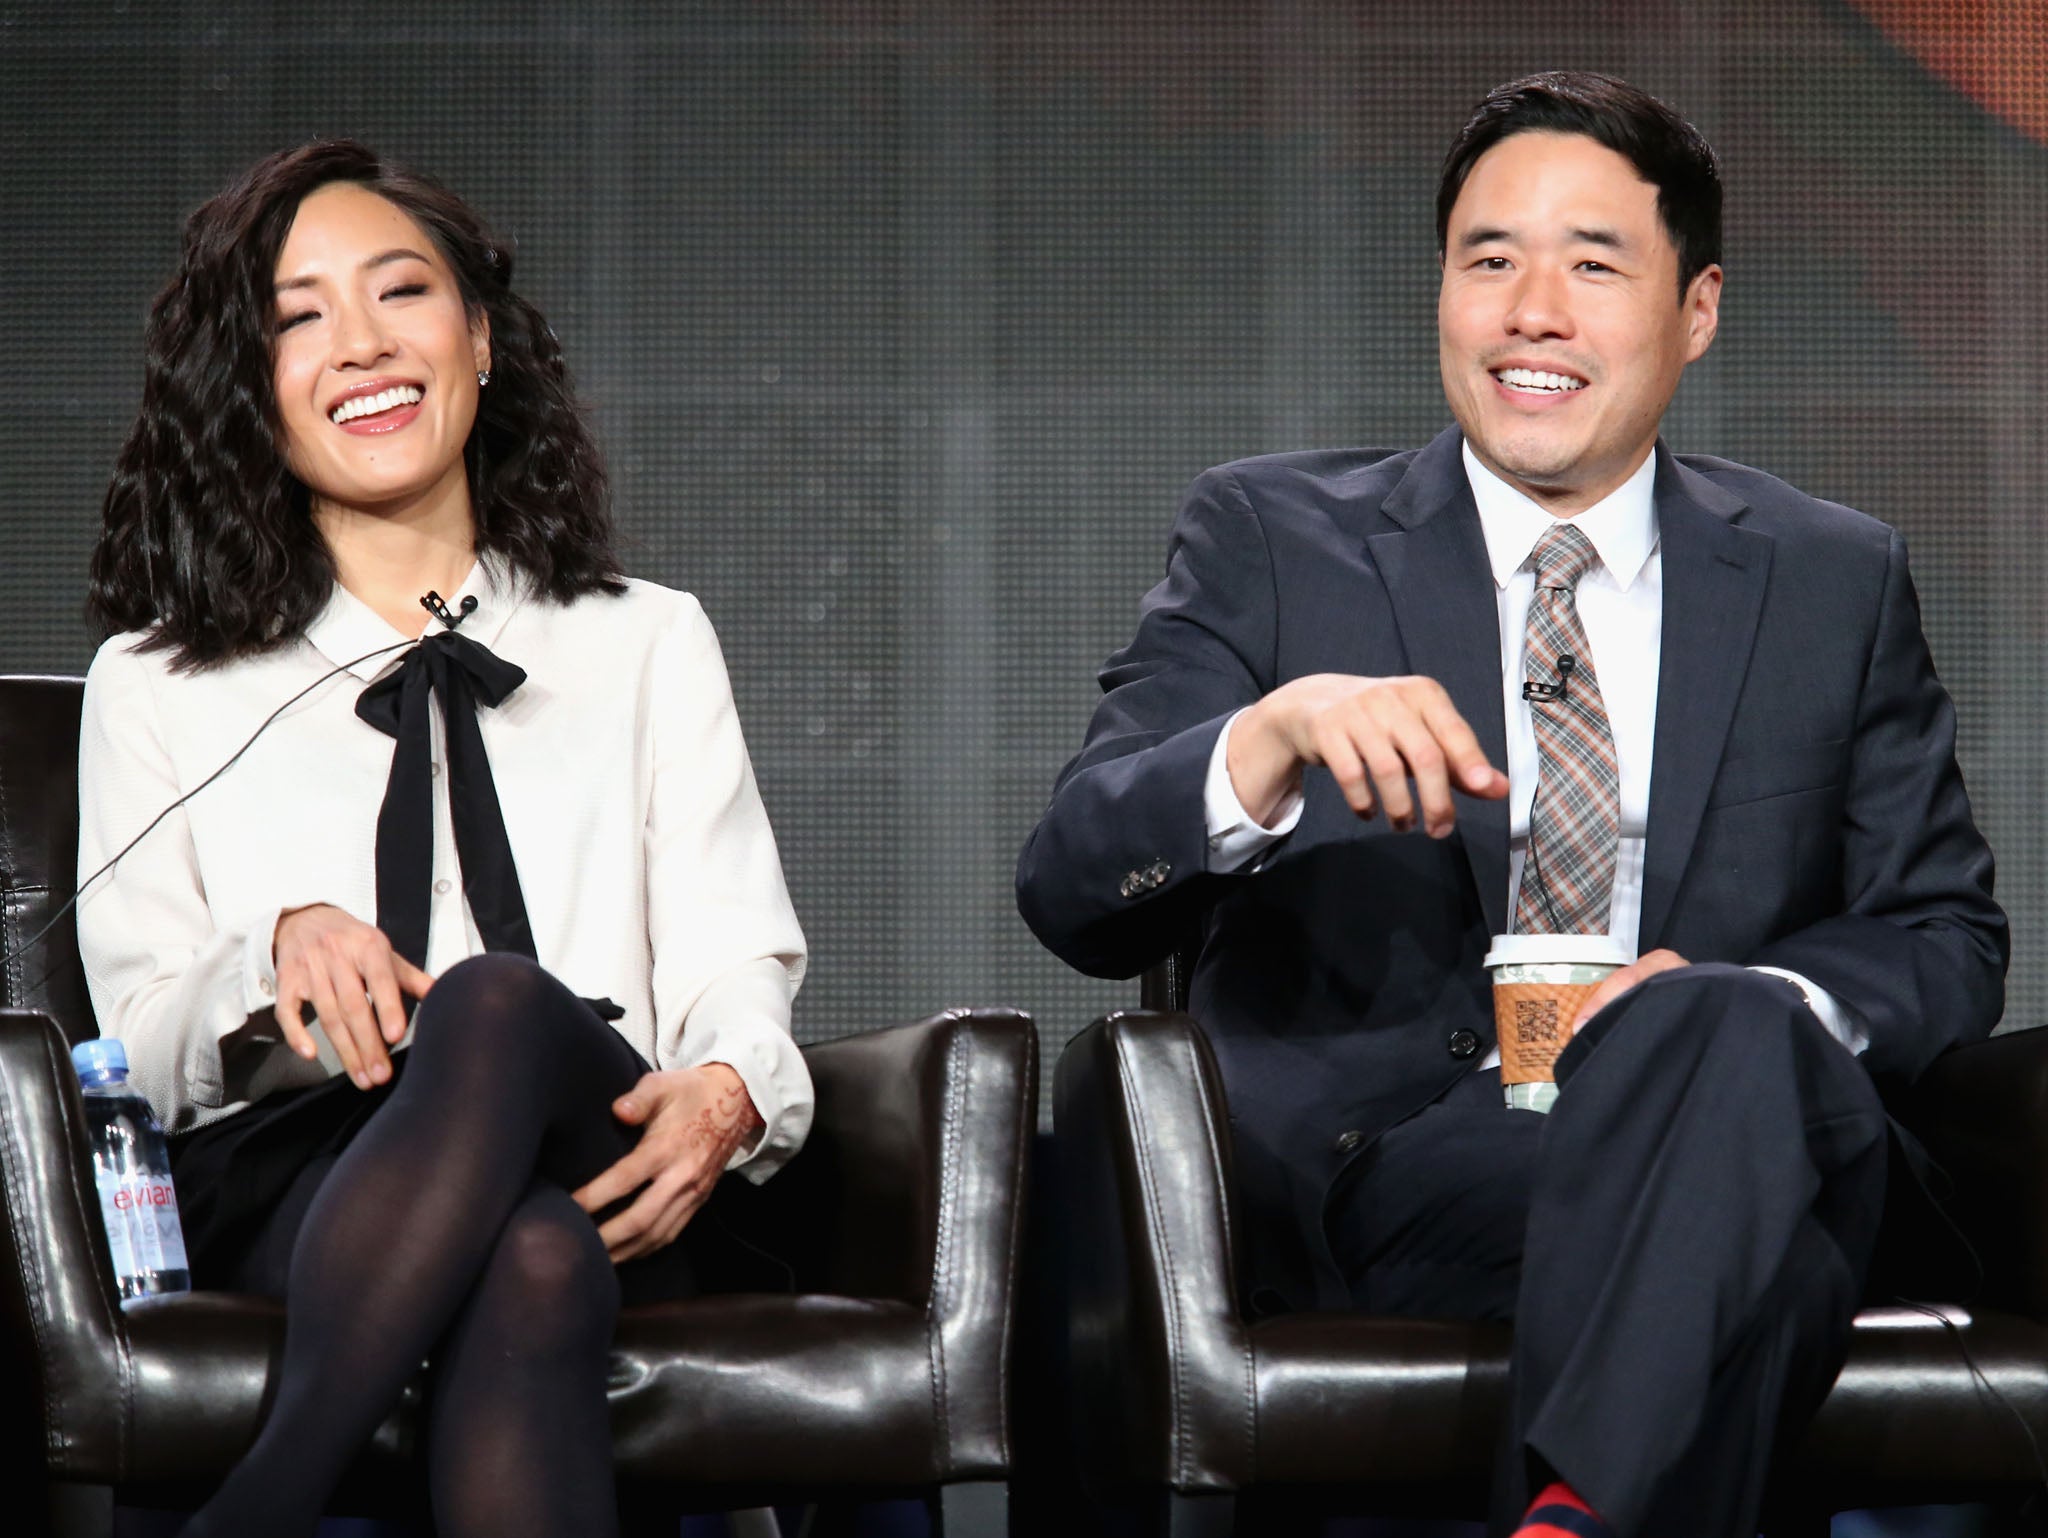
point(465, 676)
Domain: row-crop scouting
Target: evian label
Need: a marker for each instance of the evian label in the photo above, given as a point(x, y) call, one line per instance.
point(141, 1214)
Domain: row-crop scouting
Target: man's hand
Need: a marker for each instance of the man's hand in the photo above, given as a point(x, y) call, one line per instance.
point(354, 980)
point(1615, 984)
point(1374, 735)
point(693, 1121)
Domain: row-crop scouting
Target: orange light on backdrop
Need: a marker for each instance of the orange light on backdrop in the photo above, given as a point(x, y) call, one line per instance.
point(1995, 51)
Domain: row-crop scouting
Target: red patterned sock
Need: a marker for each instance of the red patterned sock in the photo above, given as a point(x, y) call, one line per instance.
point(1557, 1512)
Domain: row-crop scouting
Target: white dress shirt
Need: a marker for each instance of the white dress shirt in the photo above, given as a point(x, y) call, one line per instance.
point(645, 857)
point(1621, 605)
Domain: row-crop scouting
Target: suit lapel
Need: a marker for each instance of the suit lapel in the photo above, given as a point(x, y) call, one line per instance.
point(1440, 588)
point(1715, 572)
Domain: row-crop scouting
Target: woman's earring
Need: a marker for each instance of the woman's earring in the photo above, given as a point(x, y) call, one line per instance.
point(483, 377)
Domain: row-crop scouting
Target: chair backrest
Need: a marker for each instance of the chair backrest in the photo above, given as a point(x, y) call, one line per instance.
point(39, 850)
point(1163, 986)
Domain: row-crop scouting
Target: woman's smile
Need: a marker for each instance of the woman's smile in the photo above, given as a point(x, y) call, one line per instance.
point(379, 406)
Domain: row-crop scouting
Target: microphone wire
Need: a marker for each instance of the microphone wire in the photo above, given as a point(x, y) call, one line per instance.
point(15, 952)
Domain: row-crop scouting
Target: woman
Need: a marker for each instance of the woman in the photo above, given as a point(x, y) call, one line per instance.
point(514, 804)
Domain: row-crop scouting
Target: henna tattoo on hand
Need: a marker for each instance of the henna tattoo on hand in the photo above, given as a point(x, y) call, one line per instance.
point(727, 1122)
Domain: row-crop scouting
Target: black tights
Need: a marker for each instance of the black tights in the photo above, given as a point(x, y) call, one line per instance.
point(447, 1227)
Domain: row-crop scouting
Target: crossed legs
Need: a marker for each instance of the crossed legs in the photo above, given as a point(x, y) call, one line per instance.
point(1681, 1243)
point(446, 1228)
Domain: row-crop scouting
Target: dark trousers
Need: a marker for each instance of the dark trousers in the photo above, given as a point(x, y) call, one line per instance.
point(1682, 1243)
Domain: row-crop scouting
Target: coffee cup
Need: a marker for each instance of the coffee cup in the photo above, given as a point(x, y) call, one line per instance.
point(1539, 982)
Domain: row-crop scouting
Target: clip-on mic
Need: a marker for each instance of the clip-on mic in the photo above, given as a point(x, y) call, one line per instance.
point(1532, 690)
point(437, 606)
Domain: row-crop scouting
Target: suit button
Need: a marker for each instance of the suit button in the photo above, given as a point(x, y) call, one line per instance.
point(1464, 1043)
point(1132, 885)
point(1346, 1141)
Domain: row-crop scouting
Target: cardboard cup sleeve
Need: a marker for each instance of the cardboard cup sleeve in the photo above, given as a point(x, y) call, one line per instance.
point(1533, 1023)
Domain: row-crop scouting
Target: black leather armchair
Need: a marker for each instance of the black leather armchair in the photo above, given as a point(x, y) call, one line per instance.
point(1188, 1403)
point(884, 1373)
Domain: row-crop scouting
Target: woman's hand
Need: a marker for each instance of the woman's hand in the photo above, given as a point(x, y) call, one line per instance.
point(354, 980)
point(694, 1120)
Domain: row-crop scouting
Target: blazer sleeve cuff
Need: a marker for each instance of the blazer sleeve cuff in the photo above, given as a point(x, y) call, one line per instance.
point(1828, 1009)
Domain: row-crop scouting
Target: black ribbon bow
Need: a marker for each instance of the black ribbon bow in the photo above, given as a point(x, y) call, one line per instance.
point(465, 676)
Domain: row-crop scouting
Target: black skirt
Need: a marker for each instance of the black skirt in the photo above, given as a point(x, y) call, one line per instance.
point(246, 1182)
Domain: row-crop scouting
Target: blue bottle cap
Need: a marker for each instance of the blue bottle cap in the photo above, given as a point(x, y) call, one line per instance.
point(99, 1060)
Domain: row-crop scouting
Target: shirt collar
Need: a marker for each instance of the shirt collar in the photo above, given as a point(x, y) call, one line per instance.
point(1622, 525)
point(347, 627)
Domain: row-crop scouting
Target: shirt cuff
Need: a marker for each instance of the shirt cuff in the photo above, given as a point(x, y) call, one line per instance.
point(761, 1067)
point(1826, 1008)
point(259, 957)
point(737, 1022)
point(1236, 838)
point(259, 962)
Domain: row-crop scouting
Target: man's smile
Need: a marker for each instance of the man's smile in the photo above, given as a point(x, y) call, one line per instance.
point(1538, 381)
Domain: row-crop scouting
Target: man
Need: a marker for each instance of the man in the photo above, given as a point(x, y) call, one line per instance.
point(1346, 747)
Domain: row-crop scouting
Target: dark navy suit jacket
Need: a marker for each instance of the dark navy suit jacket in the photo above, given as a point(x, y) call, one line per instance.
point(1805, 811)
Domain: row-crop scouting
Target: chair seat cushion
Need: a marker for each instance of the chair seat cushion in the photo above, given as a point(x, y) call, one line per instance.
point(1351, 1399)
point(727, 1389)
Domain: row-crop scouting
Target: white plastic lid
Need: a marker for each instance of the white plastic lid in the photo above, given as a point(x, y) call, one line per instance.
point(1570, 950)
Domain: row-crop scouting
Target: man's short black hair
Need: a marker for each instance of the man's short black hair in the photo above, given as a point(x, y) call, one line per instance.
point(1664, 148)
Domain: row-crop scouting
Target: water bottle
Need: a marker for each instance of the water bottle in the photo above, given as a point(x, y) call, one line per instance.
point(132, 1168)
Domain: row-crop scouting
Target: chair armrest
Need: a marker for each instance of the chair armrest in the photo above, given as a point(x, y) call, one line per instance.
point(911, 1186)
point(1160, 1356)
point(1982, 1111)
point(60, 1318)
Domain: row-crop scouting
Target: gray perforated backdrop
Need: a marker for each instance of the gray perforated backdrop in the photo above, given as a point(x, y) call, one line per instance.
point(905, 324)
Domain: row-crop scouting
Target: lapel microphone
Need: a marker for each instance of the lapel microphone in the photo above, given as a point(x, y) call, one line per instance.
point(1531, 690)
point(437, 606)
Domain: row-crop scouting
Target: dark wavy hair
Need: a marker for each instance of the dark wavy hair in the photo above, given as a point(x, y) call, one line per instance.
point(1667, 152)
point(206, 538)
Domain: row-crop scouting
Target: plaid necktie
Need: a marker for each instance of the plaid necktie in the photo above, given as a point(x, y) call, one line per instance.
point(1574, 827)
